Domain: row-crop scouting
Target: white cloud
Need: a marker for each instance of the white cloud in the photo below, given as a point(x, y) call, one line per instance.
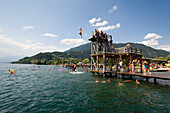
point(151, 42)
point(73, 42)
point(118, 25)
point(109, 27)
point(49, 35)
point(10, 47)
point(27, 27)
point(153, 36)
point(93, 20)
point(100, 23)
point(113, 8)
point(164, 47)
point(152, 39)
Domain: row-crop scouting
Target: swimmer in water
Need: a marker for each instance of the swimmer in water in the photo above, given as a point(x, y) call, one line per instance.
point(12, 72)
point(109, 80)
point(127, 80)
point(137, 82)
point(97, 80)
point(120, 83)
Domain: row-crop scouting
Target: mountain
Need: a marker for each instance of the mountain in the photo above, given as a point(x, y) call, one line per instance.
point(83, 51)
point(146, 50)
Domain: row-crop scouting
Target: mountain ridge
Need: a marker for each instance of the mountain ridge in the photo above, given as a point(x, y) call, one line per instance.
point(83, 51)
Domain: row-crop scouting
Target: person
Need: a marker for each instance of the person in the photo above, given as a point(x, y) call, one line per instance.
point(97, 80)
point(146, 68)
point(12, 72)
point(121, 66)
point(74, 67)
point(99, 48)
point(92, 34)
point(80, 33)
point(133, 67)
point(109, 80)
point(137, 82)
point(120, 84)
point(112, 49)
point(127, 80)
point(98, 32)
point(128, 47)
point(130, 67)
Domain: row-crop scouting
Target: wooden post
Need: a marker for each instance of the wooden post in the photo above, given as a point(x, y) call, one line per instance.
point(111, 64)
point(91, 57)
point(130, 77)
point(104, 63)
point(155, 81)
point(147, 79)
point(141, 65)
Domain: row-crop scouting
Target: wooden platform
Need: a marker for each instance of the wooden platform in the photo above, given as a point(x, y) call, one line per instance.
point(147, 76)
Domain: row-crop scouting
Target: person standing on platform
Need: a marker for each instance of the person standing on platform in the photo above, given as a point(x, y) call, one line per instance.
point(121, 66)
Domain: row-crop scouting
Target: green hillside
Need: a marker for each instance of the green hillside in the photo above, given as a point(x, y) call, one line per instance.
point(83, 51)
point(146, 50)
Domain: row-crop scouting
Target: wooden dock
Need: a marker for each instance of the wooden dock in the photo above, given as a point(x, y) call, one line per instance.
point(147, 76)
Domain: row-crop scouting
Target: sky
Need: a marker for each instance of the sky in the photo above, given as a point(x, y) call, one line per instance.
point(28, 27)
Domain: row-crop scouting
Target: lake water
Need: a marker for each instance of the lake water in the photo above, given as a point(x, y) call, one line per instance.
point(56, 91)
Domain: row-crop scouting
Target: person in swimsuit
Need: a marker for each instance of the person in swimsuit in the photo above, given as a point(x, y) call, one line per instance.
point(121, 66)
point(74, 68)
point(80, 33)
point(146, 68)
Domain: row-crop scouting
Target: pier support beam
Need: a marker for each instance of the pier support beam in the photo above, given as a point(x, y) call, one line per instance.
point(147, 79)
point(155, 81)
point(130, 77)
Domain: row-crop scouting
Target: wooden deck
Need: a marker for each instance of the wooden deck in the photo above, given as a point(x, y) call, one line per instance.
point(147, 76)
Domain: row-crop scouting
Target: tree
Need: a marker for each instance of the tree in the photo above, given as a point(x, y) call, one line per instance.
point(161, 58)
point(168, 58)
point(37, 62)
point(85, 60)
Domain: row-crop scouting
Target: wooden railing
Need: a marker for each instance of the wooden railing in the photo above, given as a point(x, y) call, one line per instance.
point(121, 51)
point(128, 50)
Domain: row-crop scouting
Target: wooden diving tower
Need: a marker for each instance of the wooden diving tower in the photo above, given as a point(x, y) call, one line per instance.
point(104, 56)
point(105, 59)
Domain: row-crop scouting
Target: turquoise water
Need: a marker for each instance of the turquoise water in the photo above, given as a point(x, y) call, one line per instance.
point(45, 91)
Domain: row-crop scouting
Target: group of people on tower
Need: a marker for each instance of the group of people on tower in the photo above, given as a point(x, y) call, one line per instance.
point(98, 34)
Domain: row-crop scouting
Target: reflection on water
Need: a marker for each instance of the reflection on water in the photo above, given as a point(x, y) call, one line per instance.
point(42, 90)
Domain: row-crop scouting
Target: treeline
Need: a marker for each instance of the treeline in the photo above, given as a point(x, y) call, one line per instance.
point(51, 62)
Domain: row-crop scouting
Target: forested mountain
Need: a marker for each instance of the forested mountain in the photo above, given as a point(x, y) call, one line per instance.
point(146, 50)
point(83, 51)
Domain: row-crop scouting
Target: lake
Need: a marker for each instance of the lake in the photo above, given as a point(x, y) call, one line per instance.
point(56, 91)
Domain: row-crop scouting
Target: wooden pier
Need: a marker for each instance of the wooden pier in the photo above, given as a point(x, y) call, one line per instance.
point(104, 56)
point(147, 76)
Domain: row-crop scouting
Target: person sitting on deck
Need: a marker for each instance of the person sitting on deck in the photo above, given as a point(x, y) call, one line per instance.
point(74, 68)
point(146, 67)
point(128, 47)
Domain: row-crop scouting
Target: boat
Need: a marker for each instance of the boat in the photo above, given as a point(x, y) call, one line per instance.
point(163, 69)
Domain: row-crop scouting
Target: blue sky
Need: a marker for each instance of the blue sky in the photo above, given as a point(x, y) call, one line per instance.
point(28, 27)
